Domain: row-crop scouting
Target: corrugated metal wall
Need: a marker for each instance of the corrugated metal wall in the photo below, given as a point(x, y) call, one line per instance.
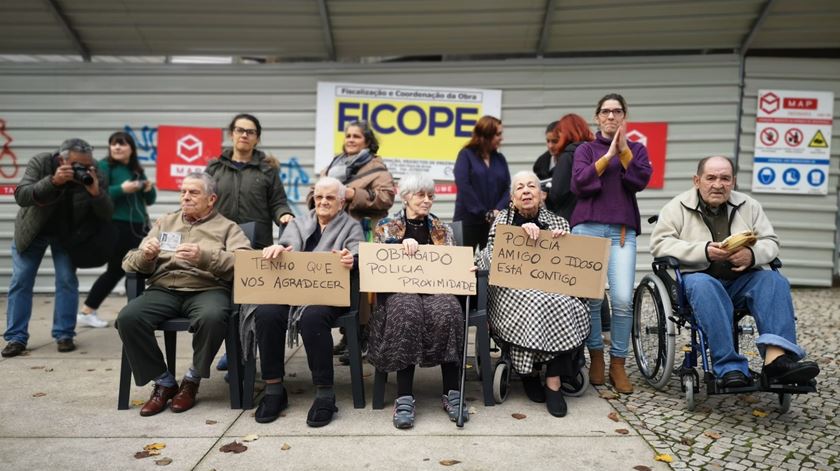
point(44, 104)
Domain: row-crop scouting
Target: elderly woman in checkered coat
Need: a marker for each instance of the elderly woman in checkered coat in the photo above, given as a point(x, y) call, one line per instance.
point(540, 328)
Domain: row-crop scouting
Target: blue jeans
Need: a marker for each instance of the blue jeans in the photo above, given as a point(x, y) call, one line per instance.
point(621, 274)
point(24, 269)
point(765, 293)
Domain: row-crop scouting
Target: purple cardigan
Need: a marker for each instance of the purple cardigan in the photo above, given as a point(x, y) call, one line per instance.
point(610, 198)
point(480, 188)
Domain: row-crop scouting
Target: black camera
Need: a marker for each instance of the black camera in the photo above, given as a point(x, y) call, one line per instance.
point(82, 175)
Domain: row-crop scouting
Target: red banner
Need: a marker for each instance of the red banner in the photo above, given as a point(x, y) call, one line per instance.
point(183, 150)
point(654, 136)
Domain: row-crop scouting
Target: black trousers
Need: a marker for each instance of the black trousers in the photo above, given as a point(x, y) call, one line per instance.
point(129, 236)
point(316, 326)
point(566, 364)
point(476, 234)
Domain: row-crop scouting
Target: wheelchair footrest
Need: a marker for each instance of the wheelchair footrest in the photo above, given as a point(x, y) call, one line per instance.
point(777, 387)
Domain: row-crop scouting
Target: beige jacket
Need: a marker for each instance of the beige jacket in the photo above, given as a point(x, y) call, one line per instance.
point(681, 232)
point(217, 237)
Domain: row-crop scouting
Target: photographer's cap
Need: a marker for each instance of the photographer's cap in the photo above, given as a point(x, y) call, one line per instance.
point(75, 145)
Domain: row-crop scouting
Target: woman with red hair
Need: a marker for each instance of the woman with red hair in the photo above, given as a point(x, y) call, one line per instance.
point(571, 132)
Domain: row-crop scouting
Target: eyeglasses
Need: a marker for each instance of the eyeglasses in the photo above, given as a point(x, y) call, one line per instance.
point(617, 112)
point(241, 131)
point(423, 195)
point(325, 197)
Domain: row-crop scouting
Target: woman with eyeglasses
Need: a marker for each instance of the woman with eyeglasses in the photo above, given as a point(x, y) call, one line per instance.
point(131, 192)
point(407, 330)
point(250, 190)
point(606, 175)
point(482, 178)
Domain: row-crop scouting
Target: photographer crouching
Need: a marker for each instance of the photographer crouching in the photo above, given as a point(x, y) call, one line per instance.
point(64, 206)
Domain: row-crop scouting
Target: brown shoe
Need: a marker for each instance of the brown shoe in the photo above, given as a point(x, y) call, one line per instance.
point(618, 377)
point(596, 367)
point(185, 399)
point(160, 396)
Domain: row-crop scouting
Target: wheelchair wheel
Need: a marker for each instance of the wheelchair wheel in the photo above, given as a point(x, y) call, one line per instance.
point(501, 381)
point(577, 386)
point(688, 388)
point(653, 331)
point(784, 402)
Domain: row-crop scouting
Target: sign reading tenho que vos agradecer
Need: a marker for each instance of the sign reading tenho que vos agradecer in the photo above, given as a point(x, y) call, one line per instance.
point(293, 278)
point(570, 264)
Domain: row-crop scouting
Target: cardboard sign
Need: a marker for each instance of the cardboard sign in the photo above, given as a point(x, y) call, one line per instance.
point(433, 269)
point(294, 278)
point(183, 150)
point(571, 264)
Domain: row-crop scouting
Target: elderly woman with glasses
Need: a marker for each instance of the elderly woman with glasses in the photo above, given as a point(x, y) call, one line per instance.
point(606, 175)
point(539, 328)
point(417, 329)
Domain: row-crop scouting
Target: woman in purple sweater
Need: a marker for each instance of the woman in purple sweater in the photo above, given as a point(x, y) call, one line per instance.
point(606, 175)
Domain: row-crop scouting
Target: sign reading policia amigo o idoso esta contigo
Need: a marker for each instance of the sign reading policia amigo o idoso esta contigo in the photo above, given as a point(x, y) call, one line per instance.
point(570, 264)
point(420, 129)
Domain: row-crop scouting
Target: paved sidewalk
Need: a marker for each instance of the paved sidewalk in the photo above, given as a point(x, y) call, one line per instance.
point(59, 410)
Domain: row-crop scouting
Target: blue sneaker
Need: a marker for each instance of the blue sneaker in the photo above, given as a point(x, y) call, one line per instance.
point(404, 412)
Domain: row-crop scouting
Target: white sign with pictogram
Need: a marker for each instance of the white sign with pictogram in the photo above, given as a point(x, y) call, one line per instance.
point(792, 141)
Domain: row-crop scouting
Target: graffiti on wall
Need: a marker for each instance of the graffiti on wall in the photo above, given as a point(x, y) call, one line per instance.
point(295, 181)
point(8, 159)
point(145, 138)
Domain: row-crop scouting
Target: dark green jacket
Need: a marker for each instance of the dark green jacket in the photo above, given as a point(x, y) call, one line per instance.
point(128, 207)
point(38, 199)
point(252, 193)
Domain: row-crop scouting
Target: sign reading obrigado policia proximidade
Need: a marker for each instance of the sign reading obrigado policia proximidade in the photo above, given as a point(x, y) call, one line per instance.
point(420, 129)
point(294, 278)
point(433, 269)
point(570, 264)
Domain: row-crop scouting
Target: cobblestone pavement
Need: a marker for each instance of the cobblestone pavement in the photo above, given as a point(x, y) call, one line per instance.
point(729, 431)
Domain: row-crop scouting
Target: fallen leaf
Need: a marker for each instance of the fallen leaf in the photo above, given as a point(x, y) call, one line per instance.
point(91, 369)
point(687, 441)
point(518, 416)
point(664, 457)
point(759, 413)
point(297, 391)
point(285, 447)
point(608, 395)
point(109, 369)
point(49, 370)
point(292, 375)
point(142, 454)
point(425, 459)
point(712, 435)
point(749, 399)
point(613, 416)
point(82, 353)
point(642, 467)
point(233, 447)
point(472, 410)
point(163, 461)
point(39, 394)
point(154, 446)
point(210, 422)
point(448, 462)
point(37, 367)
point(622, 431)
point(250, 437)
point(469, 367)
point(138, 402)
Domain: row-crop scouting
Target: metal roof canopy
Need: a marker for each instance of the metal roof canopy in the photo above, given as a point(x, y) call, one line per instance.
point(349, 30)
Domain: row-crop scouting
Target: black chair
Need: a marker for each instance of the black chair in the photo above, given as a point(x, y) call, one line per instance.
point(477, 319)
point(135, 285)
point(350, 323)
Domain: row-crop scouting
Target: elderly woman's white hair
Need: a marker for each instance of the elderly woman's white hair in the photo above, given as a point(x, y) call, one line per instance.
point(415, 183)
point(523, 174)
point(330, 182)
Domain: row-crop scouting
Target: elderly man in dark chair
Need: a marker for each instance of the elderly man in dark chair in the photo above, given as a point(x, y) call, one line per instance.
point(691, 228)
point(188, 257)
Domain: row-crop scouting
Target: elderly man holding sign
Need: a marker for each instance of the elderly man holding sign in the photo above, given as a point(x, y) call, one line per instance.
point(538, 327)
point(409, 329)
point(325, 229)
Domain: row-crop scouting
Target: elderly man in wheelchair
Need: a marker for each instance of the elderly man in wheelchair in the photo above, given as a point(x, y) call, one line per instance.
point(718, 278)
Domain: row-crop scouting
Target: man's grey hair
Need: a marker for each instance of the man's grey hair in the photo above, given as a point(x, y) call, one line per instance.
point(415, 183)
point(523, 174)
point(330, 182)
point(75, 145)
point(210, 186)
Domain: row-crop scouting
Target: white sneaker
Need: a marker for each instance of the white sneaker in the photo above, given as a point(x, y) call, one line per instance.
point(90, 320)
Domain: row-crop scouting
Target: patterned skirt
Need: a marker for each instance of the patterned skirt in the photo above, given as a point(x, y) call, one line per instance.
point(415, 329)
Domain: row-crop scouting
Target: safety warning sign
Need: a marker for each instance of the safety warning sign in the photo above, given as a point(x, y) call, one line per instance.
point(792, 141)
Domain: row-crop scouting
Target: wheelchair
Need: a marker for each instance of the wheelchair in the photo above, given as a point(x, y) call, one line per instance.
point(661, 311)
